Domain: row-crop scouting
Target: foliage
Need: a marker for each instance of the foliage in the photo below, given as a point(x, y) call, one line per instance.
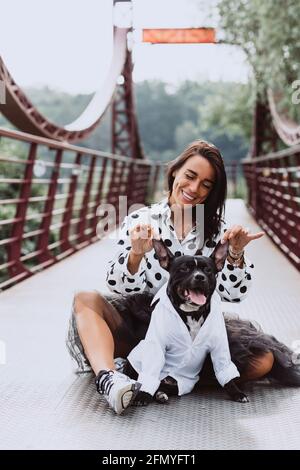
point(219, 112)
point(60, 107)
point(168, 119)
point(268, 32)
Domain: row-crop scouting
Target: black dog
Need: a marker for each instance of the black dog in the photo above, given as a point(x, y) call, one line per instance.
point(190, 288)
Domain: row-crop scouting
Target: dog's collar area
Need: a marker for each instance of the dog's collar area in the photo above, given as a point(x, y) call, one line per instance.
point(194, 325)
point(189, 307)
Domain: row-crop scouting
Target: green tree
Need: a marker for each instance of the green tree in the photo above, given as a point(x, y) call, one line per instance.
point(168, 119)
point(229, 110)
point(159, 113)
point(268, 32)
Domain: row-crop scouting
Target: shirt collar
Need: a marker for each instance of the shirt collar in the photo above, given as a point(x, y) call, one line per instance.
point(162, 208)
point(163, 297)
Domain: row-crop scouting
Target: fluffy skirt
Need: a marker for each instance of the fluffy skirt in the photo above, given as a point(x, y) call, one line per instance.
point(247, 339)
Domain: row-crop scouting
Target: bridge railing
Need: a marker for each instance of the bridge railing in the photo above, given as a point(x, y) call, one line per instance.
point(49, 195)
point(274, 198)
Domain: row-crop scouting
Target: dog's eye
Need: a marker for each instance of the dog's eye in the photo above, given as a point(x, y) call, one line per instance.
point(207, 270)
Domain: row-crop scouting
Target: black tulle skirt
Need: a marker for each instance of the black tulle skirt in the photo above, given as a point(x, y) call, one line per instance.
point(246, 338)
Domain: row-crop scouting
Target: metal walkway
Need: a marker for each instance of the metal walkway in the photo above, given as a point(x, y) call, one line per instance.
point(43, 405)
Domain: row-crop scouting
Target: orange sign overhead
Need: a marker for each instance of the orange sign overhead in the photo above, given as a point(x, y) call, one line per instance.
point(179, 36)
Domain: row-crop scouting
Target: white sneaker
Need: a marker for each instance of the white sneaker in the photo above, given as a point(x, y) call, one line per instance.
point(118, 389)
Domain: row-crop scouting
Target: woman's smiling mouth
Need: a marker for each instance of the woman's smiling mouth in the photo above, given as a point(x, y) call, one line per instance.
point(187, 196)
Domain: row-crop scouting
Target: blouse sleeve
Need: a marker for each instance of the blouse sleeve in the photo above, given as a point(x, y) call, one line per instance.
point(225, 369)
point(234, 283)
point(118, 278)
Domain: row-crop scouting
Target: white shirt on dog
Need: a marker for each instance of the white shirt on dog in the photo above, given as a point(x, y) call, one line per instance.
point(168, 348)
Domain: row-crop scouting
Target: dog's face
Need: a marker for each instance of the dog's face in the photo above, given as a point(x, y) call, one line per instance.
point(192, 278)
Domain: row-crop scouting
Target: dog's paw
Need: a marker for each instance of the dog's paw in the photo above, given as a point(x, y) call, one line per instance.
point(142, 399)
point(235, 393)
point(240, 398)
point(161, 397)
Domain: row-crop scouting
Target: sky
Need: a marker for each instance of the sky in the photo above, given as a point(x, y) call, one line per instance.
point(67, 44)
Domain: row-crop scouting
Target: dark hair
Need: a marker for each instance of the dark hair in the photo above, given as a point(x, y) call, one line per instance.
point(214, 205)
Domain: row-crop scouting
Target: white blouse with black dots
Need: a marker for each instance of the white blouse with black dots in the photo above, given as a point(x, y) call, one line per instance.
point(232, 283)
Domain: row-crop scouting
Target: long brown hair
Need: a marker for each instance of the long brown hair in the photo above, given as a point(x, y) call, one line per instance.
point(214, 205)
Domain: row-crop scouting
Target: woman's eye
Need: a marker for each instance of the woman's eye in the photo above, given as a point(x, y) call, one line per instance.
point(189, 177)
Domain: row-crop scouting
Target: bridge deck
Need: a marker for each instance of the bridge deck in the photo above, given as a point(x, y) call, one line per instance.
point(43, 405)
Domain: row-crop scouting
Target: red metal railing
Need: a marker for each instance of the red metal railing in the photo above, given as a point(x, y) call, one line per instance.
point(274, 198)
point(49, 195)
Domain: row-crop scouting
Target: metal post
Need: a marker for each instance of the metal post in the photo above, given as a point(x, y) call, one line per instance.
point(43, 240)
point(15, 247)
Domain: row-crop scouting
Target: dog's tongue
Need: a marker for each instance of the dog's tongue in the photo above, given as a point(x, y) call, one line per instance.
point(197, 298)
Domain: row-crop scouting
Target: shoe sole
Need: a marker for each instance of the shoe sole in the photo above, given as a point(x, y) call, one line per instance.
point(124, 400)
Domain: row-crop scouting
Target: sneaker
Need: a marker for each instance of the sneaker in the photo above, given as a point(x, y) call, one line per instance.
point(118, 389)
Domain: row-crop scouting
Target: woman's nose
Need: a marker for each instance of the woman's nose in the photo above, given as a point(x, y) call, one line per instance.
point(194, 187)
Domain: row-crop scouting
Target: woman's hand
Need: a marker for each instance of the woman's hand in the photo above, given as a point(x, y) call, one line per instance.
point(141, 239)
point(238, 237)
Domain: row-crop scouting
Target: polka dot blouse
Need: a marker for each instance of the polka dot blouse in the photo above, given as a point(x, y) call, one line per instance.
point(232, 283)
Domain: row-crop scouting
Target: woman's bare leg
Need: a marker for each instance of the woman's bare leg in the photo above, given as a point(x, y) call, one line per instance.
point(96, 319)
point(99, 324)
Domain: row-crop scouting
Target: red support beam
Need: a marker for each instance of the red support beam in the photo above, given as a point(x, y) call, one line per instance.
point(66, 222)
point(43, 240)
point(85, 203)
point(15, 247)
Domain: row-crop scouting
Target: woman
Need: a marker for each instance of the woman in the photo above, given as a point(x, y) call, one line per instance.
point(103, 328)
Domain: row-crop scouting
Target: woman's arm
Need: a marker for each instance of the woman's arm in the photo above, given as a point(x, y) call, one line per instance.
point(134, 261)
point(126, 272)
point(235, 279)
point(233, 283)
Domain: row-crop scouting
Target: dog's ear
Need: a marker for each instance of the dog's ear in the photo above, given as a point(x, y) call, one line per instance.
point(165, 257)
point(219, 255)
point(198, 252)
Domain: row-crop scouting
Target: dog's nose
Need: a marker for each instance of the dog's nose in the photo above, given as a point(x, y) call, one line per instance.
point(199, 277)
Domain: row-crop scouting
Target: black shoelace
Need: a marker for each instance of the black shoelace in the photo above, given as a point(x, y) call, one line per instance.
point(104, 381)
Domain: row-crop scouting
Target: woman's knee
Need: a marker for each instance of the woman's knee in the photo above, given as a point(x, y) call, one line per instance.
point(259, 366)
point(90, 299)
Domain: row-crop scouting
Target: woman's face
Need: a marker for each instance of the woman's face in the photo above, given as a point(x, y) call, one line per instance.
point(193, 181)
